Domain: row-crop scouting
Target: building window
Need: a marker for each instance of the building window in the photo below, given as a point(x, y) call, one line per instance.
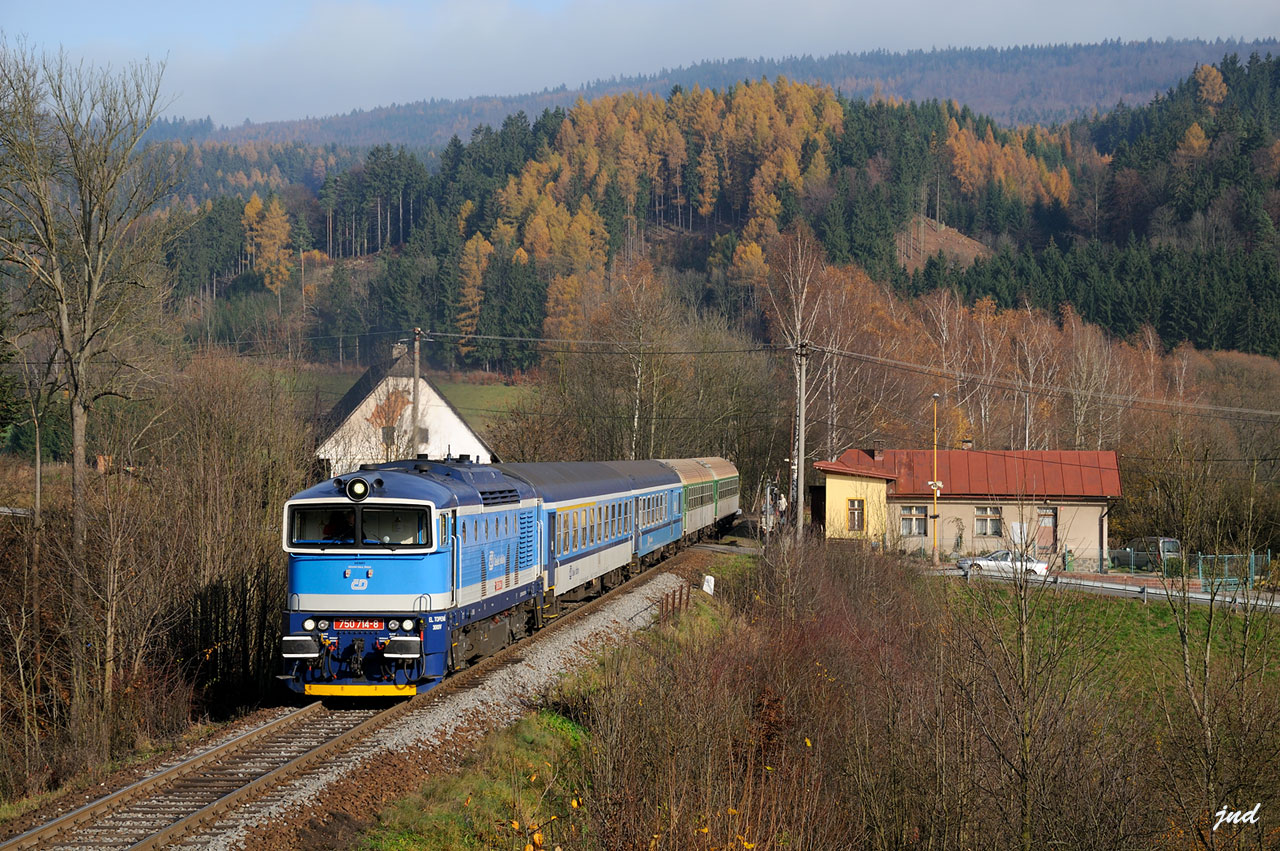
point(857, 515)
point(915, 520)
point(987, 521)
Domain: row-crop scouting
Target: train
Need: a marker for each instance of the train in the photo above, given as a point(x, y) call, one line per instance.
point(401, 573)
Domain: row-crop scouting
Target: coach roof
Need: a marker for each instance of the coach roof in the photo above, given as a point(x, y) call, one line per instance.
point(572, 480)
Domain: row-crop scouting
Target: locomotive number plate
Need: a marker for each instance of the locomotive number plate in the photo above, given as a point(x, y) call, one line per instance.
point(357, 624)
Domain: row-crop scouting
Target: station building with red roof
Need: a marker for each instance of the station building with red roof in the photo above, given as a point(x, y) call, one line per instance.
point(1053, 503)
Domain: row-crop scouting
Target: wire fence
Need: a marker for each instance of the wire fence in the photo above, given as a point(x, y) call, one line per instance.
point(1227, 571)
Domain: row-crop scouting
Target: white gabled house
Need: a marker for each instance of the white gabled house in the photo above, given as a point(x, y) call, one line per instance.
point(372, 423)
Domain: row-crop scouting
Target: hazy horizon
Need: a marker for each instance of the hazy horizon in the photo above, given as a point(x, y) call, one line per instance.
point(303, 58)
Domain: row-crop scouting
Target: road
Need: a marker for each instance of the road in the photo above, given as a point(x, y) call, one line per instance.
point(1265, 600)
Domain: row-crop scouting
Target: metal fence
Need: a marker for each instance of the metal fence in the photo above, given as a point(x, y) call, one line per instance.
point(1233, 570)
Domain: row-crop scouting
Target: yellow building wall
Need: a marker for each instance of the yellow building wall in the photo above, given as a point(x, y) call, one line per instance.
point(873, 493)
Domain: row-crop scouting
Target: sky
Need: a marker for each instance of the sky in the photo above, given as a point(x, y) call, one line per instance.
point(268, 60)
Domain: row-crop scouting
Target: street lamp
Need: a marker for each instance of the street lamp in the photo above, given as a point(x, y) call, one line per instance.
point(935, 485)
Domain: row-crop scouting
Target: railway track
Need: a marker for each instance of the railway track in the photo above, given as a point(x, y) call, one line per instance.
point(187, 799)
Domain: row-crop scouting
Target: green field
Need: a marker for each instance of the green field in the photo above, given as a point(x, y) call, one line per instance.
point(481, 404)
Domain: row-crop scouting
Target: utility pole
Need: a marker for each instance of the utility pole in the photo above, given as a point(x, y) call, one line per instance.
point(935, 485)
point(413, 426)
point(802, 357)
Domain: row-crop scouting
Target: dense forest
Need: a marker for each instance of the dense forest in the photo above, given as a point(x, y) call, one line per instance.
point(1038, 84)
point(1161, 216)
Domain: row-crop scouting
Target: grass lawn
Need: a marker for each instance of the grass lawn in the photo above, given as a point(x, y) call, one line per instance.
point(1135, 647)
point(481, 404)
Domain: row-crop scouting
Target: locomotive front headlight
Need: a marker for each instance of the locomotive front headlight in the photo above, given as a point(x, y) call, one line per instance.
point(393, 625)
point(357, 489)
point(309, 624)
point(324, 624)
point(407, 625)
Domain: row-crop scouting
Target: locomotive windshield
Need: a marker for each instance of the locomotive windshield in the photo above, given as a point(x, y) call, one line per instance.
point(373, 526)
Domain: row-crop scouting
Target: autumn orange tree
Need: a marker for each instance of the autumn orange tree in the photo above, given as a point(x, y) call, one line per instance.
point(475, 259)
point(267, 234)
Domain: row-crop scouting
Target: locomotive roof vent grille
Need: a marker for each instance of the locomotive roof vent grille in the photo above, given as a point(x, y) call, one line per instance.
point(505, 496)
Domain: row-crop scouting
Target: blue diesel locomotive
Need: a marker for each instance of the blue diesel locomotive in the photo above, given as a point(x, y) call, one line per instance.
point(400, 573)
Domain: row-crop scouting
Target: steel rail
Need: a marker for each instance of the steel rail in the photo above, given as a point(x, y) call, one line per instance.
point(95, 810)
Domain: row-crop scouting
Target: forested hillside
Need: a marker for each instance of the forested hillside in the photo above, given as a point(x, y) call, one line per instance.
point(1041, 84)
point(1161, 216)
point(1171, 220)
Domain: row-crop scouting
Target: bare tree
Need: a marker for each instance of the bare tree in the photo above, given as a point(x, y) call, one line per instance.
point(80, 219)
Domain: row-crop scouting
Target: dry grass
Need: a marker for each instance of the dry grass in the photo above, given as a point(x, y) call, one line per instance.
point(924, 238)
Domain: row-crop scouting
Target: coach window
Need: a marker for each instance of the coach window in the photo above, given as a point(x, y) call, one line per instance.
point(463, 527)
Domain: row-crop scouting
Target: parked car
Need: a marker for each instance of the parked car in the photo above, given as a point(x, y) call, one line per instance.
point(1003, 561)
point(1146, 553)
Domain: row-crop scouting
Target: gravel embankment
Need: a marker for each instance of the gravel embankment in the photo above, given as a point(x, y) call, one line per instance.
point(328, 807)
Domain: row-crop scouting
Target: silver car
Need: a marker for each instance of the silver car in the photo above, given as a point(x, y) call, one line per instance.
point(1003, 561)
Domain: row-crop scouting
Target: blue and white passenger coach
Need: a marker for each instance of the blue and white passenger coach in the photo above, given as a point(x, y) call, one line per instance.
point(402, 572)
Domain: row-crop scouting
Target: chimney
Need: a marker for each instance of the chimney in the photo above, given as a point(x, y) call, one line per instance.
point(966, 443)
point(399, 349)
point(877, 450)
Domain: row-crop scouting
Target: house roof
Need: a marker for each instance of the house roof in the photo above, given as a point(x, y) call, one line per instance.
point(397, 367)
point(973, 472)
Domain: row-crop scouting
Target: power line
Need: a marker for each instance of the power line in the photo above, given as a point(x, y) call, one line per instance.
point(615, 347)
point(1052, 390)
